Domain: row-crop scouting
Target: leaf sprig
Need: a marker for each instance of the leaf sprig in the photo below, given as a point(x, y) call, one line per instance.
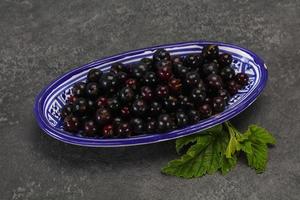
point(216, 149)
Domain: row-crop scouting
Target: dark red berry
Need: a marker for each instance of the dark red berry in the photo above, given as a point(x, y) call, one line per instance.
point(113, 104)
point(71, 99)
point(94, 75)
point(108, 131)
point(175, 85)
point(125, 111)
point(66, 110)
point(164, 73)
point(205, 111)
point(218, 104)
point(242, 79)
point(225, 59)
point(90, 128)
point(214, 82)
point(227, 73)
point(101, 102)
point(79, 89)
point(146, 93)
point(162, 91)
point(71, 124)
point(102, 116)
point(132, 83)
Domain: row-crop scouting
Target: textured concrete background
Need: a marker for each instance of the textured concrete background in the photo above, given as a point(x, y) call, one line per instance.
point(40, 40)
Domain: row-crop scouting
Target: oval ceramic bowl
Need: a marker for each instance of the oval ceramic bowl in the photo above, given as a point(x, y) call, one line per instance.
point(49, 102)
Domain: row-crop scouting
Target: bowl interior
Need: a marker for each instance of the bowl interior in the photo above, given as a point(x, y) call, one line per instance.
point(55, 95)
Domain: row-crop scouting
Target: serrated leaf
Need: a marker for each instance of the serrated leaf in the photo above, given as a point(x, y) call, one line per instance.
point(188, 140)
point(228, 164)
point(258, 158)
point(261, 134)
point(205, 156)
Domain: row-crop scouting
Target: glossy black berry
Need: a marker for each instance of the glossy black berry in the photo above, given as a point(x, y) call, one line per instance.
point(193, 61)
point(170, 103)
point(102, 116)
point(224, 94)
point(118, 67)
point(79, 89)
point(108, 83)
point(155, 108)
point(150, 79)
point(161, 54)
point(210, 52)
point(71, 124)
point(200, 85)
point(116, 121)
point(225, 60)
point(242, 79)
point(218, 104)
point(113, 104)
point(122, 77)
point(233, 87)
point(207, 100)
point(151, 125)
point(162, 91)
point(136, 72)
point(177, 59)
point(137, 125)
point(148, 62)
point(193, 116)
point(227, 73)
point(182, 119)
point(126, 94)
point(123, 130)
point(214, 82)
point(90, 128)
point(192, 79)
point(210, 68)
point(184, 102)
point(147, 93)
point(91, 106)
point(139, 107)
point(92, 90)
point(205, 111)
point(180, 71)
point(197, 95)
point(94, 75)
point(80, 106)
point(164, 123)
point(66, 110)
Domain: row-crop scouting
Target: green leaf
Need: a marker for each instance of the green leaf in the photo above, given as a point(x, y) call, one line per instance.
point(228, 164)
point(206, 156)
point(233, 144)
point(254, 143)
point(188, 140)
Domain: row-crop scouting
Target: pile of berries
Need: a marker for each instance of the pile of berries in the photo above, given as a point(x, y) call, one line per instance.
point(153, 95)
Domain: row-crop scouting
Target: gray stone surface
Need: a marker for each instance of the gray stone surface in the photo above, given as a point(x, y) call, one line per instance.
point(39, 40)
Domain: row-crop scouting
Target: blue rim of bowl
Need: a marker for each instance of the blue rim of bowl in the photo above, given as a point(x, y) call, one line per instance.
point(149, 138)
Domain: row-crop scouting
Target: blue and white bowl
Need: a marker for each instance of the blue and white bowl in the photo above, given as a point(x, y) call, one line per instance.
point(51, 99)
